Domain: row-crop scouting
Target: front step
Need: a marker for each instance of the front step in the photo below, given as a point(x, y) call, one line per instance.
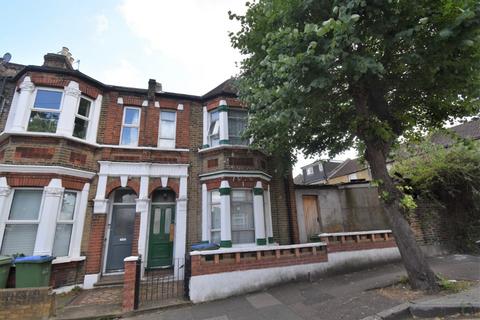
point(110, 281)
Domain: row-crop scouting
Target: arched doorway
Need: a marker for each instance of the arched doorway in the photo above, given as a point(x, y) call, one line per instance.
point(121, 229)
point(161, 233)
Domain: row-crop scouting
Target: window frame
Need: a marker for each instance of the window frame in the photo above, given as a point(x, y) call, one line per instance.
point(33, 109)
point(88, 119)
point(239, 137)
point(309, 173)
point(21, 222)
point(174, 140)
point(130, 125)
point(71, 222)
point(253, 216)
point(209, 136)
point(210, 203)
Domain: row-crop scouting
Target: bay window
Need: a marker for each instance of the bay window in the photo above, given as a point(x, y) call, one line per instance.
point(214, 129)
point(237, 123)
point(214, 209)
point(130, 126)
point(166, 136)
point(82, 118)
point(243, 228)
point(45, 111)
point(65, 221)
point(22, 223)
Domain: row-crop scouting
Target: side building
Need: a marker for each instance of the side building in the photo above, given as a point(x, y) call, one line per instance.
point(92, 173)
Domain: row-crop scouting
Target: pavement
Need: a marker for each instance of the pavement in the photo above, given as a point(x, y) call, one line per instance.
point(350, 296)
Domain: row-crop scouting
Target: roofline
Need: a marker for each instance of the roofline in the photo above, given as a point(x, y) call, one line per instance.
point(343, 164)
point(106, 87)
point(321, 160)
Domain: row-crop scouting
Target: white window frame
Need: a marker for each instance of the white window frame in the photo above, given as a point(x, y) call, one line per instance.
point(88, 119)
point(174, 140)
point(231, 219)
point(210, 203)
point(78, 196)
point(18, 222)
point(209, 136)
point(309, 171)
point(228, 119)
point(32, 107)
point(130, 125)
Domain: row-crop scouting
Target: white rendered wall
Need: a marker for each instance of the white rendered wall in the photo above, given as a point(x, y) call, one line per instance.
point(222, 285)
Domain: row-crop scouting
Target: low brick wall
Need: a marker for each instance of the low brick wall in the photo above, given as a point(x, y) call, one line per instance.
point(27, 303)
point(361, 240)
point(238, 259)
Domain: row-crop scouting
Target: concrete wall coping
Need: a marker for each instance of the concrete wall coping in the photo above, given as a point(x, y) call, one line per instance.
point(131, 258)
point(257, 248)
point(355, 233)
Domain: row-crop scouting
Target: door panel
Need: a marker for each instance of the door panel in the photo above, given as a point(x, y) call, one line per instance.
point(160, 243)
point(312, 218)
point(121, 237)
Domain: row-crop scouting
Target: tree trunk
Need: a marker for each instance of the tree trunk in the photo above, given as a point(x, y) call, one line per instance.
point(420, 274)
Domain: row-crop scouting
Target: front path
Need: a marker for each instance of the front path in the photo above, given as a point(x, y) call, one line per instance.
point(346, 297)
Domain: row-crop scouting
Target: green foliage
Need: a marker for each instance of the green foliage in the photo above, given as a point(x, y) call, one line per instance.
point(308, 63)
point(450, 178)
point(453, 286)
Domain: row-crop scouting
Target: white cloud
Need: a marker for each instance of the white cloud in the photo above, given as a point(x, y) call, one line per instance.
point(190, 34)
point(101, 24)
point(123, 73)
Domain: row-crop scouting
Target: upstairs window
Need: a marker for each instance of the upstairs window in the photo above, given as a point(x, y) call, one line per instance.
point(214, 129)
point(82, 118)
point(45, 112)
point(166, 137)
point(237, 123)
point(130, 126)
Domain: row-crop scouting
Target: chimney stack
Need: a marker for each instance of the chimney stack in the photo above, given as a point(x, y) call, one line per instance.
point(153, 87)
point(63, 59)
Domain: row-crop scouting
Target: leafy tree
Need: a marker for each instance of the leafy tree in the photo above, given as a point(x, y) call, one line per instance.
point(321, 75)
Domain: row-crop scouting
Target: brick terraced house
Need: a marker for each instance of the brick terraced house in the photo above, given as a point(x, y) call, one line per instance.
point(93, 173)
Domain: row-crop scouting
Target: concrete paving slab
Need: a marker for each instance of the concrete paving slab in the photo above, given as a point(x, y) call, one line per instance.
point(279, 312)
point(262, 300)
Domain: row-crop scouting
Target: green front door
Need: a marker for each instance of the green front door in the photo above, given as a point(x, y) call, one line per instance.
point(160, 242)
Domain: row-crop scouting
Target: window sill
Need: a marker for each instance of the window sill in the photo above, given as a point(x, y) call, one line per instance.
point(228, 146)
point(67, 259)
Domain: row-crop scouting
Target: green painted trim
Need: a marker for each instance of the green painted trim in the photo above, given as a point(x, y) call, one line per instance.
point(205, 146)
point(226, 243)
point(258, 191)
point(270, 240)
point(225, 191)
point(261, 242)
point(204, 242)
point(222, 108)
point(224, 141)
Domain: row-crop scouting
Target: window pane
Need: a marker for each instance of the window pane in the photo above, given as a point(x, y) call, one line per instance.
point(214, 127)
point(242, 195)
point(239, 237)
point(131, 116)
point(214, 116)
point(80, 129)
point(46, 99)
point(61, 244)
point(124, 195)
point(25, 205)
point(68, 206)
point(242, 216)
point(168, 220)
point(237, 123)
point(166, 143)
point(84, 107)
point(156, 220)
point(215, 216)
point(163, 195)
point(129, 136)
point(167, 116)
point(214, 141)
point(19, 238)
point(215, 237)
point(215, 196)
point(167, 129)
point(243, 228)
point(43, 121)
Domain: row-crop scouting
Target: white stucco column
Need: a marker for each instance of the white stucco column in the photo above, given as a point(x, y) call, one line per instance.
point(21, 110)
point(5, 191)
point(52, 202)
point(69, 108)
point(142, 206)
point(205, 215)
point(100, 204)
point(268, 216)
point(223, 119)
point(259, 215)
point(180, 239)
point(79, 222)
point(94, 120)
point(225, 216)
point(205, 128)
